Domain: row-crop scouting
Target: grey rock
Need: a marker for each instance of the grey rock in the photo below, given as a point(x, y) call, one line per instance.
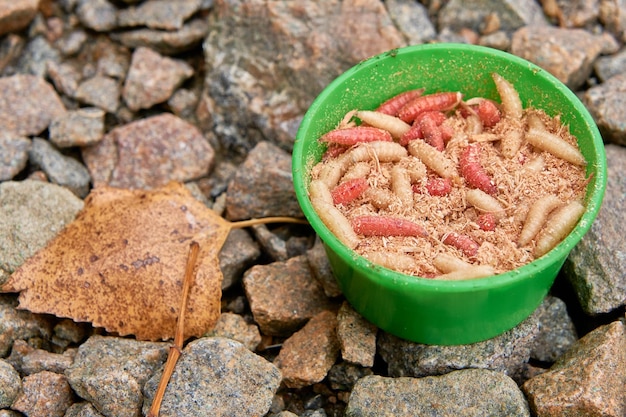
point(320, 266)
point(412, 19)
point(68, 331)
point(15, 16)
point(612, 17)
point(183, 102)
point(11, 46)
point(13, 155)
point(72, 42)
point(357, 336)
point(80, 127)
point(504, 353)
point(159, 14)
point(568, 54)
point(27, 104)
point(99, 15)
point(595, 267)
point(459, 14)
point(588, 380)
point(343, 375)
point(10, 413)
point(556, 330)
point(219, 375)
point(498, 40)
point(271, 244)
point(40, 360)
point(607, 66)
point(152, 78)
point(238, 254)
point(36, 56)
point(314, 413)
point(607, 104)
point(83, 409)
point(10, 384)
point(233, 326)
point(19, 324)
point(283, 295)
point(578, 13)
point(468, 392)
point(263, 186)
point(149, 153)
point(65, 77)
point(60, 169)
point(110, 372)
point(276, 65)
point(166, 42)
point(31, 214)
point(100, 91)
point(44, 394)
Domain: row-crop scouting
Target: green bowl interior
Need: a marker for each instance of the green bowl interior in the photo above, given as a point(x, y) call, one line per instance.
point(447, 67)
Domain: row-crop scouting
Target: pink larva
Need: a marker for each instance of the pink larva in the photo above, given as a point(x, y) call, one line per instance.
point(473, 171)
point(395, 103)
point(488, 113)
point(439, 186)
point(349, 190)
point(431, 102)
point(386, 226)
point(487, 222)
point(429, 123)
point(464, 243)
point(354, 135)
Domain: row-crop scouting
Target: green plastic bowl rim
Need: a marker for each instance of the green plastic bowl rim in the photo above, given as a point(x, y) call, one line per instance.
point(388, 277)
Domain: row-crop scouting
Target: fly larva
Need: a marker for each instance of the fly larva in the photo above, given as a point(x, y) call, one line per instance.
point(473, 171)
point(381, 198)
point(511, 103)
point(432, 102)
point(558, 226)
point(401, 185)
point(415, 168)
point(395, 261)
point(395, 103)
point(387, 226)
point(332, 171)
point(381, 151)
point(536, 217)
point(511, 142)
point(472, 272)
point(391, 124)
point(484, 137)
point(358, 170)
point(336, 222)
point(464, 243)
point(536, 164)
point(355, 135)
point(484, 202)
point(534, 122)
point(555, 145)
point(433, 159)
point(349, 190)
point(448, 263)
point(318, 190)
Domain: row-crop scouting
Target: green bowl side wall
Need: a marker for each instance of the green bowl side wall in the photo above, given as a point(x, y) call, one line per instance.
point(431, 311)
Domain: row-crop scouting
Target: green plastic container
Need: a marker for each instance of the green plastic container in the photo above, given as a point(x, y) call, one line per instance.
point(426, 310)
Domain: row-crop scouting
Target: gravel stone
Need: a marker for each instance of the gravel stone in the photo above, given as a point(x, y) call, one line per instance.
point(320, 266)
point(271, 244)
point(263, 186)
point(595, 267)
point(60, 169)
point(588, 380)
point(31, 213)
point(152, 78)
point(460, 14)
point(468, 392)
point(44, 394)
point(65, 77)
point(220, 377)
point(607, 105)
point(149, 153)
point(27, 104)
point(412, 19)
point(612, 17)
point(343, 375)
point(80, 127)
point(357, 336)
point(110, 372)
point(39, 360)
point(71, 43)
point(100, 91)
point(238, 254)
point(568, 54)
point(606, 67)
point(99, 15)
point(233, 326)
point(82, 410)
point(13, 155)
point(15, 16)
point(306, 357)
point(556, 331)
point(159, 14)
point(504, 353)
point(283, 295)
point(10, 384)
point(165, 42)
point(36, 56)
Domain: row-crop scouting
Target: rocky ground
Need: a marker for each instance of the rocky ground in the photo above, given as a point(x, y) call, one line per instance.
point(134, 94)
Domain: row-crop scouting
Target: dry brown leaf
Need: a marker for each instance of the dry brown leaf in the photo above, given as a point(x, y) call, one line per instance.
point(120, 264)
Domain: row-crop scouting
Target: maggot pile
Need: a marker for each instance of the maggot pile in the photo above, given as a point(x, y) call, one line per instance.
point(438, 186)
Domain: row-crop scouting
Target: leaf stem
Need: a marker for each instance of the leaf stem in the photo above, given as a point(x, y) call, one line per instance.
point(265, 220)
point(179, 337)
